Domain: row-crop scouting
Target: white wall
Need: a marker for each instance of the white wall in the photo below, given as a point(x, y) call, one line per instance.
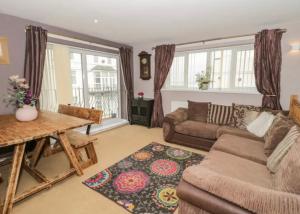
point(290, 74)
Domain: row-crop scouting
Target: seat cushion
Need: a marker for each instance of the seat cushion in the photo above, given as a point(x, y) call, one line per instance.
point(253, 195)
point(235, 167)
point(78, 140)
point(197, 129)
point(238, 132)
point(242, 147)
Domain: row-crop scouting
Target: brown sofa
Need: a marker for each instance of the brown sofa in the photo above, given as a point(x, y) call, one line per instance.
point(178, 129)
point(233, 178)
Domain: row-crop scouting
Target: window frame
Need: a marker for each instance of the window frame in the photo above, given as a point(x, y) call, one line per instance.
point(209, 50)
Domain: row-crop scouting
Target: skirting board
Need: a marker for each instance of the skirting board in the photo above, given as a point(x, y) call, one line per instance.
point(104, 126)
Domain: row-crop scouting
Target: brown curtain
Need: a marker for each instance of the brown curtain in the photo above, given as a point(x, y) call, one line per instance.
point(126, 63)
point(36, 44)
point(164, 55)
point(267, 63)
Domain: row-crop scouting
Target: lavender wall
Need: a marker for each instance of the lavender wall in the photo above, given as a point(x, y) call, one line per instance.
point(289, 75)
point(13, 28)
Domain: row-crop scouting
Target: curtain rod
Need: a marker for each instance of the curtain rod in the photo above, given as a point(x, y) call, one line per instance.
point(219, 38)
point(70, 39)
point(55, 36)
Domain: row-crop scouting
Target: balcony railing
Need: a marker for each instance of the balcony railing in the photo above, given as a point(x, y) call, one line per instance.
point(104, 98)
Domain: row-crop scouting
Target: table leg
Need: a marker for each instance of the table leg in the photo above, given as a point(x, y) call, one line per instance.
point(37, 152)
point(13, 179)
point(70, 153)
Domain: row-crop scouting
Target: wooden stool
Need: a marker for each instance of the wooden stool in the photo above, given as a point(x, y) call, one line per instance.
point(83, 143)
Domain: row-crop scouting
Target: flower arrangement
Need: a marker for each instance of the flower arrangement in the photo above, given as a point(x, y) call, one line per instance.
point(203, 79)
point(20, 94)
point(141, 94)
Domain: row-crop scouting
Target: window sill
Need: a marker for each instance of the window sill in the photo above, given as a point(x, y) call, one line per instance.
point(222, 91)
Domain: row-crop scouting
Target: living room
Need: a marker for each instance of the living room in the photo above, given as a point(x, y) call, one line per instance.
point(149, 106)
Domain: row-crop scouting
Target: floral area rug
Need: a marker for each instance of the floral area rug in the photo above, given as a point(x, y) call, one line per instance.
point(145, 182)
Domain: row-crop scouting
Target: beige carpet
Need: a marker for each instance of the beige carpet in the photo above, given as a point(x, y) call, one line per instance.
point(70, 196)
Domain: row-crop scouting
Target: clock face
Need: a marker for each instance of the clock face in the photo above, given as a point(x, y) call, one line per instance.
point(144, 61)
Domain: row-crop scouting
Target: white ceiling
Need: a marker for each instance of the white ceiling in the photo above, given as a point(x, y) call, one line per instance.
point(150, 21)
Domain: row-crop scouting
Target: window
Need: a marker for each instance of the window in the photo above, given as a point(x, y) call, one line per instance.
point(231, 68)
point(97, 78)
point(72, 75)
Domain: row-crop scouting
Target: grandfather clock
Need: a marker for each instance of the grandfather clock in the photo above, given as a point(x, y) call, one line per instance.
point(145, 65)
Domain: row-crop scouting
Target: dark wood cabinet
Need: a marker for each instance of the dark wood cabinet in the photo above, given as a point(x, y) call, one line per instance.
point(141, 111)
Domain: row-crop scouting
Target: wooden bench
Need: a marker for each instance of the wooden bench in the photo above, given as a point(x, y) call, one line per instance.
point(83, 145)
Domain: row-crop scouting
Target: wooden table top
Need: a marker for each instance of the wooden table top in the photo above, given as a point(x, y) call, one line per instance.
point(15, 132)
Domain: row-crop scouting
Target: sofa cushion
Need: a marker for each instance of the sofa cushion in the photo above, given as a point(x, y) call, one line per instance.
point(282, 149)
point(238, 132)
point(288, 175)
point(198, 111)
point(248, 195)
point(236, 167)
point(195, 200)
point(279, 128)
point(243, 115)
point(220, 114)
point(197, 129)
point(242, 147)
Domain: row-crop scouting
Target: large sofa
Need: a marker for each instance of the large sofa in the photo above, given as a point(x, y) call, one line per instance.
point(234, 176)
point(178, 129)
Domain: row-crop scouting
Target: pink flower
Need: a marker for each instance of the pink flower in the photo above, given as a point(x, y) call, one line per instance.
point(141, 93)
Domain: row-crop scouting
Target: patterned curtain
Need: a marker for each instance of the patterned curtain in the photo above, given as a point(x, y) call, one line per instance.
point(164, 55)
point(36, 44)
point(126, 63)
point(267, 63)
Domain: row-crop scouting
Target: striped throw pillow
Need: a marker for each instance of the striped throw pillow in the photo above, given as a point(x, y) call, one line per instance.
point(219, 114)
point(282, 149)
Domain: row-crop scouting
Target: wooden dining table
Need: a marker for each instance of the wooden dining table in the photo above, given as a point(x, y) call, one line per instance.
point(17, 134)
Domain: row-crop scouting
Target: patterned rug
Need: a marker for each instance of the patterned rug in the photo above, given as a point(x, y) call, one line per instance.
point(145, 182)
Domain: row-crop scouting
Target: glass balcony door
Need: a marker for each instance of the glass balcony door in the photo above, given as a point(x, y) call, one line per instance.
point(95, 81)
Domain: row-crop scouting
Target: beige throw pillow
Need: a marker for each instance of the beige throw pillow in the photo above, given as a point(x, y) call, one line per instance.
point(282, 148)
point(288, 175)
point(278, 130)
point(261, 124)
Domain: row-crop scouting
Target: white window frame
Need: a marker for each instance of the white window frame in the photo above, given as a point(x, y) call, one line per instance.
point(232, 89)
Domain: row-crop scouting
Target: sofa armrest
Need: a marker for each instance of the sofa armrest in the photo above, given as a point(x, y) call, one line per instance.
point(178, 116)
point(171, 120)
point(249, 196)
